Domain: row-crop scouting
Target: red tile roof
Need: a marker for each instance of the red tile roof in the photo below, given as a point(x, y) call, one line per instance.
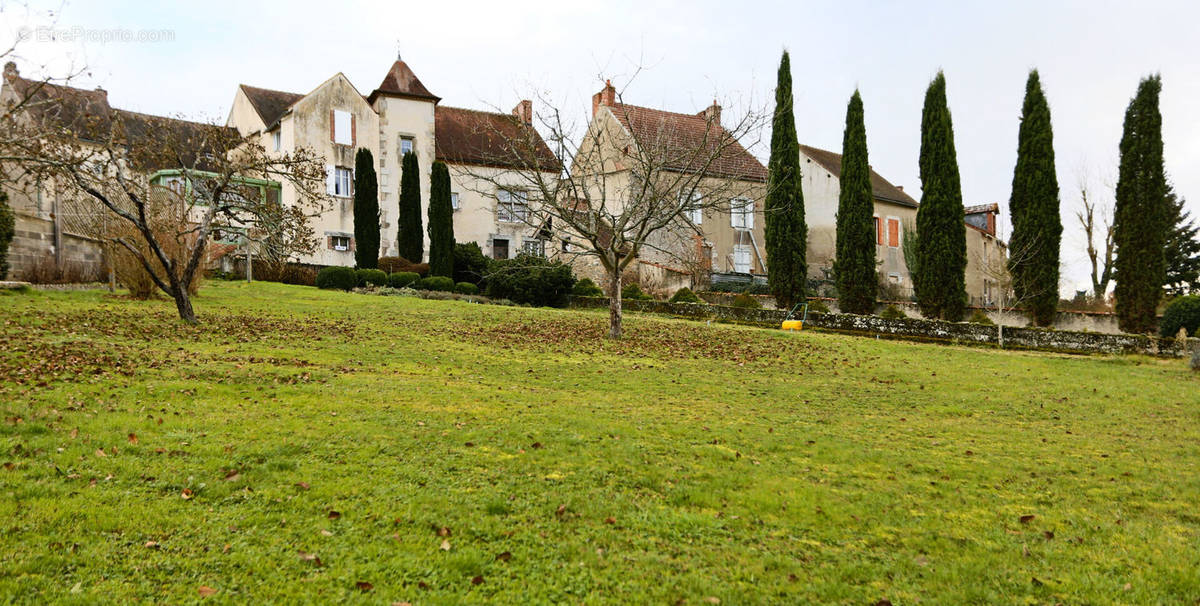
point(880, 187)
point(401, 81)
point(467, 136)
point(270, 104)
point(681, 135)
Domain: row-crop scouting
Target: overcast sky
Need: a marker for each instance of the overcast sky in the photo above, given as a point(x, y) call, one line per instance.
point(1091, 55)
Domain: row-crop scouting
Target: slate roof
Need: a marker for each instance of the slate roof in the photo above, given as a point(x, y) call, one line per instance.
point(401, 81)
point(270, 104)
point(880, 187)
point(467, 136)
point(682, 134)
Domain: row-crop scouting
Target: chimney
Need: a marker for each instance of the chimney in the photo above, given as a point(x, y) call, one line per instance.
point(607, 97)
point(10, 70)
point(712, 114)
point(524, 111)
point(900, 187)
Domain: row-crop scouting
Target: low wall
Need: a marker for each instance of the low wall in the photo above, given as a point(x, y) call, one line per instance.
point(33, 242)
point(1006, 337)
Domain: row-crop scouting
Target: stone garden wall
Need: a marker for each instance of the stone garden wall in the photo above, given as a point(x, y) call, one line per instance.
point(1006, 337)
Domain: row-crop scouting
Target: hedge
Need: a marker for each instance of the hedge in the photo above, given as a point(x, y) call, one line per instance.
point(338, 278)
point(401, 279)
point(372, 277)
point(438, 283)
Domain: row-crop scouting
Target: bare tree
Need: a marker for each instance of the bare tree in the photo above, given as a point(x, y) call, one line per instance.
point(628, 186)
point(1097, 223)
point(172, 181)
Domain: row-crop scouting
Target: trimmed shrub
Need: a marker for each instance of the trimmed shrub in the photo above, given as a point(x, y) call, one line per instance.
point(979, 317)
point(438, 283)
point(466, 288)
point(372, 277)
point(469, 263)
point(1183, 312)
point(401, 279)
point(530, 279)
point(586, 288)
point(891, 312)
point(634, 292)
point(817, 306)
point(339, 278)
point(393, 265)
point(745, 301)
point(685, 295)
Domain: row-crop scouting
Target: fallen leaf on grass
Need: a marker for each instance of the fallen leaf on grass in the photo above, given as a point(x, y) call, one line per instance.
point(151, 545)
point(310, 557)
point(232, 475)
point(504, 556)
point(100, 452)
point(205, 591)
point(186, 494)
point(302, 485)
point(610, 520)
point(333, 515)
point(562, 509)
point(443, 532)
point(445, 545)
point(1027, 518)
point(477, 580)
point(326, 533)
point(712, 599)
point(364, 586)
point(74, 433)
point(133, 438)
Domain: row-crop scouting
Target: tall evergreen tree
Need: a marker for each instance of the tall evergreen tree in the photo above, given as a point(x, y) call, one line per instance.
point(786, 232)
point(1142, 216)
point(1033, 208)
point(441, 222)
point(1182, 250)
point(942, 238)
point(854, 265)
point(409, 238)
point(366, 210)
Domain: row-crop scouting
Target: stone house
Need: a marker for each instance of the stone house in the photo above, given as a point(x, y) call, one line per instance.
point(401, 115)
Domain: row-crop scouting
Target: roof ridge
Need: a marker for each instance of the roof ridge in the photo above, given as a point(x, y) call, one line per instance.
point(476, 111)
point(270, 90)
point(655, 109)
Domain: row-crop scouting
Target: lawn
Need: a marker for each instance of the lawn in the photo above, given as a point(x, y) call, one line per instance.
point(303, 445)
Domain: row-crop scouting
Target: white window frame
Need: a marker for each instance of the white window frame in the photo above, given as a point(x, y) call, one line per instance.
point(412, 145)
point(512, 206)
point(342, 125)
point(533, 246)
point(455, 203)
point(693, 207)
point(743, 250)
point(343, 182)
point(333, 243)
point(741, 213)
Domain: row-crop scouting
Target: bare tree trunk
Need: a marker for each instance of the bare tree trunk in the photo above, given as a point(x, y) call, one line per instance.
point(183, 303)
point(614, 304)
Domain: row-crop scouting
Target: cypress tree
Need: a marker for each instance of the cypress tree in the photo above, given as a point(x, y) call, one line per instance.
point(409, 237)
point(1033, 208)
point(854, 265)
point(1141, 219)
point(7, 231)
point(441, 222)
point(1182, 250)
point(942, 238)
point(366, 210)
point(786, 232)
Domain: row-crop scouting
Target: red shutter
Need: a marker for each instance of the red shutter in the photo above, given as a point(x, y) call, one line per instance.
point(353, 134)
point(329, 242)
point(332, 126)
point(893, 232)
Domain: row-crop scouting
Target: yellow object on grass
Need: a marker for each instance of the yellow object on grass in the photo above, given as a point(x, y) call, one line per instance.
point(793, 324)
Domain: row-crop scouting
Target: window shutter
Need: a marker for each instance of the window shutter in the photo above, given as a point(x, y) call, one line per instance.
point(329, 242)
point(878, 232)
point(332, 126)
point(749, 210)
point(893, 232)
point(329, 179)
point(353, 129)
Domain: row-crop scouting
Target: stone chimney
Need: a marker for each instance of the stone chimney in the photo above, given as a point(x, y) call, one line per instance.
point(524, 111)
point(900, 187)
point(607, 96)
point(712, 114)
point(10, 70)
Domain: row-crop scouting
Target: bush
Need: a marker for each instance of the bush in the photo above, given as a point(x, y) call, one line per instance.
point(437, 283)
point(372, 277)
point(469, 263)
point(530, 279)
point(393, 265)
point(1183, 312)
point(891, 312)
point(685, 295)
point(401, 279)
point(466, 288)
point(979, 317)
point(817, 306)
point(286, 273)
point(634, 292)
point(586, 288)
point(745, 301)
point(339, 278)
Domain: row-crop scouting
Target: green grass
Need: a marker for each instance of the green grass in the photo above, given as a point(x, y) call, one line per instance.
point(686, 462)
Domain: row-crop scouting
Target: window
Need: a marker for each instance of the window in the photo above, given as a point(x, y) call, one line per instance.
point(339, 242)
point(342, 125)
point(534, 247)
point(343, 180)
point(276, 140)
point(692, 208)
point(512, 206)
point(893, 225)
point(878, 232)
point(741, 213)
point(741, 258)
point(454, 200)
point(499, 248)
point(567, 246)
point(406, 145)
